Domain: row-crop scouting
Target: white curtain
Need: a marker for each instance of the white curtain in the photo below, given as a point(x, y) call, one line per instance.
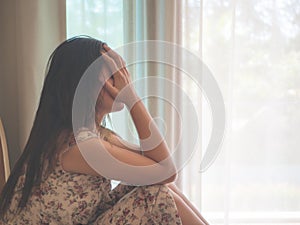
point(30, 31)
point(252, 49)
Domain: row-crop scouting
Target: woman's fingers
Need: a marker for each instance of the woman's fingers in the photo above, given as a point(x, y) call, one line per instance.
point(121, 64)
point(111, 89)
point(110, 63)
point(118, 59)
point(119, 76)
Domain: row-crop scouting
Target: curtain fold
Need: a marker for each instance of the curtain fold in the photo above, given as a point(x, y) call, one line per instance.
point(31, 31)
point(173, 22)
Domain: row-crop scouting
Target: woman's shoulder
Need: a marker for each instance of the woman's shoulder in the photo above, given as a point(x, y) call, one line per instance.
point(70, 159)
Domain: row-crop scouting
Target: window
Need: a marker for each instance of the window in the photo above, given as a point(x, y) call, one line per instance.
point(252, 48)
point(102, 19)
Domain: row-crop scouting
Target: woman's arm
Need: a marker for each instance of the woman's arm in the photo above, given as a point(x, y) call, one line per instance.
point(98, 157)
point(114, 162)
point(152, 143)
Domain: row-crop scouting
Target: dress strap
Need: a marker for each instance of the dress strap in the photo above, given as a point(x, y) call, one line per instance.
point(81, 135)
point(84, 134)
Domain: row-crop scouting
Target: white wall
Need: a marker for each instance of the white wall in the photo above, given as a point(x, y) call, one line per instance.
point(29, 32)
point(8, 77)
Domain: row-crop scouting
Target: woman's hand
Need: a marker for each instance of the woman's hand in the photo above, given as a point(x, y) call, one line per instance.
point(152, 144)
point(121, 89)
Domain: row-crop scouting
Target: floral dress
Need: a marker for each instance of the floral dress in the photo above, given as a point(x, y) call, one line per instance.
point(72, 198)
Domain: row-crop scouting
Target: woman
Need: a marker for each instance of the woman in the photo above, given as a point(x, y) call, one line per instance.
point(52, 183)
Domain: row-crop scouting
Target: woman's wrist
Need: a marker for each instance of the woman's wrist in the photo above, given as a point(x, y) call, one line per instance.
point(131, 99)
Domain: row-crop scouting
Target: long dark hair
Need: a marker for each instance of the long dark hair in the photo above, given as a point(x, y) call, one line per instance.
point(53, 120)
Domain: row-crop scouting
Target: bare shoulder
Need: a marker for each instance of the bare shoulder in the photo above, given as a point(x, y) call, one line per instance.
point(104, 153)
point(73, 161)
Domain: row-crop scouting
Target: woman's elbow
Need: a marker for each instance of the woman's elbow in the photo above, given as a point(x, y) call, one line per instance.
point(172, 175)
point(169, 180)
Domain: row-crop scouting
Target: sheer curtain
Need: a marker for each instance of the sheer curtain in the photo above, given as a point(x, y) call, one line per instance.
point(252, 49)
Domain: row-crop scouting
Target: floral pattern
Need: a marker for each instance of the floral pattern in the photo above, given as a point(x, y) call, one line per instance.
point(72, 198)
point(147, 205)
